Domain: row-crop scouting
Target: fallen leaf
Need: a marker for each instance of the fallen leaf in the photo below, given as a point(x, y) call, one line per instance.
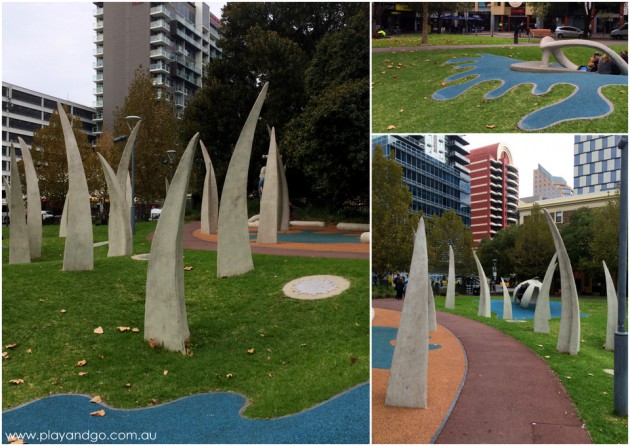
point(165, 372)
point(135, 330)
point(29, 350)
point(123, 329)
point(353, 360)
point(10, 346)
point(391, 127)
point(387, 61)
point(5, 355)
point(250, 351)
point(490, 126)
point(81, 363)
point(390, 66)
point(128, 385)
point(401, 110)
point(152, 343)
point(98, 330)
point(303, 345)
point(154, 401)
point(395, 76)
point(262, 335)
point(383, 72)
point(101, 356)
point(589, 374)
point(547, 356)
point(98, 413)
point(17, 381)
point(83, 373)
point(96, 399)
point(443, 83)
point(568, 377)
point(62, 311)
point(188, 268)
point(270, 375)
point(229, 376)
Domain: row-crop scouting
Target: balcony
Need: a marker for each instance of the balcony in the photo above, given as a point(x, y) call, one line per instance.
point(512, 220)
point(98, 103)
point(159, 67)
point(161, 11)
point(98, 64)
point(97, 117)
point(512, 174)
point(512, 205)
point(98, 51)
point(98, 77)
point(98, 37)
point(512, 182)
point(181, 33)
point(98, 90)
point(98, 12)
point(190, 65)
point(98, 25)
point(161, 53)
point(161, 39)
point(160, 25)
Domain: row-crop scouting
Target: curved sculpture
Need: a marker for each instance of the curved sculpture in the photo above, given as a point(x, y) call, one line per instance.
point(531, 293)
point(270, 209)
point(284, 198)
point(122, 173)
point(165, 320)
point(210, 198)
point(63, 223)
point(234, 254)
point(450, 287)
point(407, 383)
point(551, 47)
point(484, 291)
point(79, 252)
point(613, 308)
point(569, 334)
point(432, 314)
point(19, 251)
point(542, 313)
point(118, 228)
point(507, 302)
point(33, 203)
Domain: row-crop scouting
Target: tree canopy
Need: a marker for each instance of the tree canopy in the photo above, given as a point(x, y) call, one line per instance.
point(449, 229)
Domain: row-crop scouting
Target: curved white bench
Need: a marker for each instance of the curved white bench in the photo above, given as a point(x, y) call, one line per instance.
point(319, 224)
point(353, 226)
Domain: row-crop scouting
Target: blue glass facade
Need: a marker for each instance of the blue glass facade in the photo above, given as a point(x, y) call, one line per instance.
point(436, 186)
point(596, 163)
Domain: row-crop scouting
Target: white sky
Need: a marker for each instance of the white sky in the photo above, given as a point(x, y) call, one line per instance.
point(553, 151)
point(48, 47)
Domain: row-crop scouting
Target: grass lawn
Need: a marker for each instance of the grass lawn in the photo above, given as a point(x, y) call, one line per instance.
point(403, 84)
point(403, 40)
point(283, 355)
point(590, 388)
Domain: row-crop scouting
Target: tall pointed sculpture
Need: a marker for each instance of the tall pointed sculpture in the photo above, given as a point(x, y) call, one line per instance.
point(63, 223)
point(507, 302)
point(79, 252)
point(122, 173)
point(234, 254)
point(407, 384)
point(33, 203)
point(284, 195)
point(542, 313)
point(484, 291)
point(210, 198)
point(118, 228)
point(569, 334)
point(270, 210)
point(613, 308)
point(450, 287)
point(19, 251)
point(432, 314)
point(165, 319)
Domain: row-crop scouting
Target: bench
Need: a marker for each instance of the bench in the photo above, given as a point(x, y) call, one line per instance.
point(541, 32)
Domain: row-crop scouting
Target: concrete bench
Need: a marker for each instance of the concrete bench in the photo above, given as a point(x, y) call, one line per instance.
point(540, 32)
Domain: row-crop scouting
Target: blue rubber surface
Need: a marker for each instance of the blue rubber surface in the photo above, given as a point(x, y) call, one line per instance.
point(314, 236)
point(586, 102)
point(496, 306)
point(382, 350)
point(207, 418)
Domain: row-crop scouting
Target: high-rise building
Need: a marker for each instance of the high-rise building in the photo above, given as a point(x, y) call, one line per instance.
point(434, 169)
point(596, 163)
point(24, 111)
point(550, 186)
point(173, 40)
point(493, 190)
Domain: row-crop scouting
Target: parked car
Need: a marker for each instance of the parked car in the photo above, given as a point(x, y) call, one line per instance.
point(620, 33)
point(47, 215)
point(568, 31)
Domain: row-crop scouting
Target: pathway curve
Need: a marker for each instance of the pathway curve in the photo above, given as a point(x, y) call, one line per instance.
point(510, 395)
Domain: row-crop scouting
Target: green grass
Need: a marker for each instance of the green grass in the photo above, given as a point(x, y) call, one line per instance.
point(304, 352)
point(404, 40)
point(590, 388)
point(402, 96)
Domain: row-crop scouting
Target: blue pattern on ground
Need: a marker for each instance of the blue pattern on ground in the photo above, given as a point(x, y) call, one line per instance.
point(586, 102)
point(200, 419)
point(382, 350)
point(314, 236)
point(496, 306)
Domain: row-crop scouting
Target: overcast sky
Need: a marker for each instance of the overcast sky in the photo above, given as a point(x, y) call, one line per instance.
point(48, 47)
point(553, 152)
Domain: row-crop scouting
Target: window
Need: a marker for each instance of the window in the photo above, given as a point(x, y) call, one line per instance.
point(24, 125)
point(26, 111)
point(559, 217)
point(50, 104)
point(26, 97)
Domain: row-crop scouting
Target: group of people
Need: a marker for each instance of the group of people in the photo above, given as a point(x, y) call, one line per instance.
point(603, 64)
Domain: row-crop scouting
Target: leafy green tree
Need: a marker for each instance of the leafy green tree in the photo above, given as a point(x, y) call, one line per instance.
point(448, 229)
point(533, 247)
point(49, 157)
point(393, 226)
point(604, 244)
point(501, 248)
point(577, 235)
point(158, 133)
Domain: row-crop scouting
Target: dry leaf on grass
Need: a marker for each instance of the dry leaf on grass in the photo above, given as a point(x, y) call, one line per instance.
point(490, 126)
point(98, 413)
point(30, 350)
point(229, 376)
point(81, 363)
point(123, 329)
point(17, 381)
point(401, 110)
point(96, 399)
point(165, 372)
point(128, 385)
point(250, 351)
point(98, 330)
point(62, 311)
point(135, 330)
point(10, 346)
point(443, 83)
point(5, 355)
point(188, 268)
point(152, 343)
point(391, 127)
point(83, 373)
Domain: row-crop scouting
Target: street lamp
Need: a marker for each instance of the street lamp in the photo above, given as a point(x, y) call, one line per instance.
point(171, 158)
point(131, 121)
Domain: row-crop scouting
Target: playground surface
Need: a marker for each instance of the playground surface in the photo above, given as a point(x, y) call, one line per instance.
point(522, 401)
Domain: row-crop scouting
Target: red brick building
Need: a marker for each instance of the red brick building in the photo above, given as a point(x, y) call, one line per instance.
point(493, 190)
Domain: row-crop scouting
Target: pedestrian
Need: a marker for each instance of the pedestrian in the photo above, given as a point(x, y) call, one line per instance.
point(399, 284)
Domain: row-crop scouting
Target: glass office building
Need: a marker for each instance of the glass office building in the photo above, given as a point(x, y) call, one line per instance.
point(596, 163)
point(434, 169)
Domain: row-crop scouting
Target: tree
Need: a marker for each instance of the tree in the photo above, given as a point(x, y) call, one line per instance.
point(448, 229)
point(158, 133)
point(604, 244)
point(501, 248)
point(534, 246)
point(49, 156)
point(577, 235)
point(425, 23)
point(393, 226)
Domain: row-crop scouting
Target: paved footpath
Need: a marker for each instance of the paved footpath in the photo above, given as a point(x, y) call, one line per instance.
point(510, 395)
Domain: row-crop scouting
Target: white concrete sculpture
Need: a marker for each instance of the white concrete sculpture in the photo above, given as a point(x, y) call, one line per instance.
point(33, 203)
point(165, 319)
point(118, 228)
point(234, 254)
point(270, 208)
point(407, 384)
point(613, 308)
point(542, 313)
point(285, 211)
point(432, 314)
point(79, 252)
point(484, 291)
point(569, 334)
point(450, 287)
point(19, 251)
point(122, 172)
point(210, 198)
point(63, 223)
point(507, 302)
point(530, 296)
